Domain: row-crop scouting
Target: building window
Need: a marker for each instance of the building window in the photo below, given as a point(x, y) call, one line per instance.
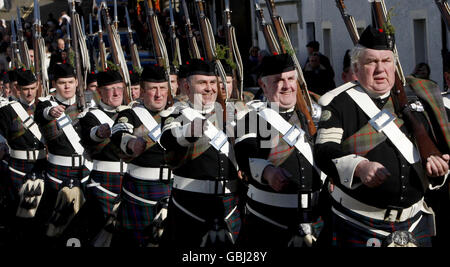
point(310, 32)
point(420, 41)
point(293, 35)
point(327, 43)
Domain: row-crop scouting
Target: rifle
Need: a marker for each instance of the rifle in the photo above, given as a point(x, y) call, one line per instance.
point(304, 103)
point(116, 20)
point(159, 46)
point(209, 47)
point(132, 44)
point(193, 47)
point(445, 11)
point(349, 21)
point(81, 100)
point(425, 145)
point(174, 42)
point(91, 44)
point(117, 53)
point(36, 44)
point(234, 54)
point(23, 47)
point(14, 60)
point(101, 44)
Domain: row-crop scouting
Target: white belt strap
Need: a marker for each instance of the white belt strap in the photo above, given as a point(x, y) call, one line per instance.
point(373, 212)
point(68, 161)
point(149, 123)
point(101, 188)
point(28, 154)
point(219, 140)
point(204, 186)
point(147, 173)
point(59, 181)
point(28, 121)
point(276, 199)
point(102, 117)
point(383, 121)
point(282, 226)
point(292, 134)
point(109, 166)
point(65, 123)
point(143, 200)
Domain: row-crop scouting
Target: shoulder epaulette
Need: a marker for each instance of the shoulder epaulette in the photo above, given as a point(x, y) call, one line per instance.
point(326, 99)
point(122, 108)
point(175, 109)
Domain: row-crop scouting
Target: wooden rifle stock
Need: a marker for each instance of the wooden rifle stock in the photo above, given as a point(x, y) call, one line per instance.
point(302, 91)
point(81, 100)
point(349, 22)
point(425, 144)
point(208, 42)
point(115, 56)
point(192, 42)
point(158, 42)
point(445, 11)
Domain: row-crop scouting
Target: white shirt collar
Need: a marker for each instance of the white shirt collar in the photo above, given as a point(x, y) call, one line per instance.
point(65, 101)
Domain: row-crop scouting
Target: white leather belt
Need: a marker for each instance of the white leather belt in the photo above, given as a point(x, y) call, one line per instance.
point(66, 161)
point(204, 186)
point(391, 215)
point(148, 174)
point(31, 155)
point(59, 181)
point(277, 199)
point(109, 166)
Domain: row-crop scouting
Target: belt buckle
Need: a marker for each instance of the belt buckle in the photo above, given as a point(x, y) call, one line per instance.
point(155, 133)
point(80, 161)
point(219, 140)
point(216, 187)
point(381, 120)
point(387, 214)
point(64, 121)
point(161, 172)
point(31, 152)
point(25, 123)
point(293, 135)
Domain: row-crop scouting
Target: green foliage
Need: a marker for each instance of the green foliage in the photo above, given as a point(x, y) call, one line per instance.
point(221, 54)
point(112, 66)
point(289, 50)
point(388, 27)
point(138, 70)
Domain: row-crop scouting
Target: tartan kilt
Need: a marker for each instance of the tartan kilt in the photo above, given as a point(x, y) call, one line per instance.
point(348, 234)
point(135, 215)
point(65, 174)
point(16, 179)
point(111, 181)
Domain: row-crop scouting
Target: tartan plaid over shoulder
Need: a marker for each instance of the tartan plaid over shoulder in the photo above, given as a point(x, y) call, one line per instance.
point(52, 131)
point(193, 150)
point(430, 93)
point(367, 138)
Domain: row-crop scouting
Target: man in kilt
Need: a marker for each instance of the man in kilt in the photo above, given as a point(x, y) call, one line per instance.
point(67, 169)
point(24, 181)
point(107, 171)
point(203, 205)
point(276, 154)
point(146, 184)
point(378, 182)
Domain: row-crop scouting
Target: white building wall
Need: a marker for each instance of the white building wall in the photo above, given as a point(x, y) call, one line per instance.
point(326, 15)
